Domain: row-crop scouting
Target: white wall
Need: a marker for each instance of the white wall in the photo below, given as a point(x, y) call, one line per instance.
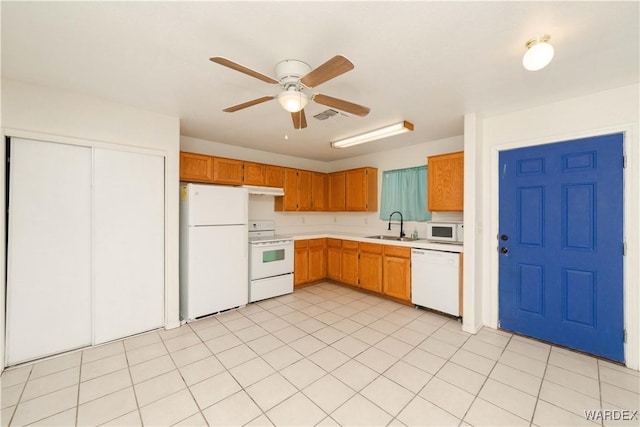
point(43, 113)
point(473, 261)
point(261, 207)
point(604, 112)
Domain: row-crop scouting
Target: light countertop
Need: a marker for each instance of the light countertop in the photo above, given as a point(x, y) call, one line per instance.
point(419, 244)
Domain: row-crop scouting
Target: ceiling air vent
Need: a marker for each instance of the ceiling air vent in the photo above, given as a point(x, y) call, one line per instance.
point(326, 114)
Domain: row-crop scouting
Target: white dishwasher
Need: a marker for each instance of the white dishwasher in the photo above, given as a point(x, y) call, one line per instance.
point(435, 279)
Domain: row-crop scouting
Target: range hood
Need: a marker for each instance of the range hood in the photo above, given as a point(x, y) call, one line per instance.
point(265, 191)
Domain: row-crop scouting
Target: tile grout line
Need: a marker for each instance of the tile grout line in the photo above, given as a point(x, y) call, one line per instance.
point(162, 339)
point(79, 383)
point(600, 391)
point(42, 395)
point(279, 370)
point(24, 387)
point(383, 312)
point(237, 382)
point(306, 357)
point(417, 394)
point(477, 395)
point(182, 377)
point(359, 392)
point(135, 395)
point(544, 374)
point(439, 369)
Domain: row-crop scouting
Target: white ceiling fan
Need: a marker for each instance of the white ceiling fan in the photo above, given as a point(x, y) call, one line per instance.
point(295, 77)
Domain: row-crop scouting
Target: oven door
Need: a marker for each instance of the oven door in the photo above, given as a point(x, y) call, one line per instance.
point(271, 259)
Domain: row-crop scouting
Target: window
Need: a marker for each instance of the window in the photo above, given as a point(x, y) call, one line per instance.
point(405, 190)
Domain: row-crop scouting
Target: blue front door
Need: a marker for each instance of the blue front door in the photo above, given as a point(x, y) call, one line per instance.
point(561, 244)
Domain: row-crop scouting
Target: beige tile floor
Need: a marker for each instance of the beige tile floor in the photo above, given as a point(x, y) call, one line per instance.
point(325, 355)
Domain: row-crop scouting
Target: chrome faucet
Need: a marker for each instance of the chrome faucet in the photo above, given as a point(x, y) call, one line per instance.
point(401, 223)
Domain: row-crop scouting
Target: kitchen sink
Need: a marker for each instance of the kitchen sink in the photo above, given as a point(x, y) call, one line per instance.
point(398, 239)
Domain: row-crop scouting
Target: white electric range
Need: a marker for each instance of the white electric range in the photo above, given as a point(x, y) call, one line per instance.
point(270, 261)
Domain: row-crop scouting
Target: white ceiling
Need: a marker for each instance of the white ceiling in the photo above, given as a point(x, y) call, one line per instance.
point(425, 62)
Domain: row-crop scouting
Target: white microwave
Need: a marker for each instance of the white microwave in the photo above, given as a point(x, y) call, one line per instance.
point(445, 232)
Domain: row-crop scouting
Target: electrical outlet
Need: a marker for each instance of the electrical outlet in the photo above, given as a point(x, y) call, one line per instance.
point(302, 219)
point(335, 219)
point(366, 221)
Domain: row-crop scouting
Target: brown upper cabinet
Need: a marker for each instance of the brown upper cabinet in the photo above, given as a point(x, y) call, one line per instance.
point(196, 167)
point(351, 190)
point(361, 189)
point(274, 176)
point(318, 191)
point(288, 202)
point(263, 175)
point(227, 171)
point(336, 186)
point(254, 173)
point(445, 182)
point(304, 190)
point(297, 191)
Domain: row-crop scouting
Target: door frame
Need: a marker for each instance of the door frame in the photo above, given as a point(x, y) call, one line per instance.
point(631, 194)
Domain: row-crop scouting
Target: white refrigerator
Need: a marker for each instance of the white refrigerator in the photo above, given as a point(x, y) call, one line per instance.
point(213, 249)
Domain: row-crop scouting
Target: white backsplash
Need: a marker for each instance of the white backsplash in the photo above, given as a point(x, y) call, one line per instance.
point(261, 208)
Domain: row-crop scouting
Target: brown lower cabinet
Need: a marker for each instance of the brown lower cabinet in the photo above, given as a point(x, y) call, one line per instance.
point(384, 269)
point(334, 259)
point(309, 261)
point(300, 262)
point(370, 267)
point(349, 260)
point(397, 272)
point(317, 260)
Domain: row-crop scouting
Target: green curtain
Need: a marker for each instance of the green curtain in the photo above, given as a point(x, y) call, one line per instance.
point(405, 190)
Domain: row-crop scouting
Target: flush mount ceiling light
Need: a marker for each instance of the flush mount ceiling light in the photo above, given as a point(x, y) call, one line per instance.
point(384, 132)
point(539, 53)
point(292, 99)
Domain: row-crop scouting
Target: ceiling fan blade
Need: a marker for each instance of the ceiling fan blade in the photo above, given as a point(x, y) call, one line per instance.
point(248, 71)
point(299, 120)
point(248, 104)
point(332, 68)
point(341, 104)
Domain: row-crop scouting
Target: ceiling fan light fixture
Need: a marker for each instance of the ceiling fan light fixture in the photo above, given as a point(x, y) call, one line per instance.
point(373, 135)
point(539, 53)
point(293, 100)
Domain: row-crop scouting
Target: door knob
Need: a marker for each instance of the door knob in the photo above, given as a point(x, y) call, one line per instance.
point(504, 237)
point(504, 250)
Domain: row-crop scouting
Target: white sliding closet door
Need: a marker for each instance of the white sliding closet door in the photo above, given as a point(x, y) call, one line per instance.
point(49, 249)
point(129, 243)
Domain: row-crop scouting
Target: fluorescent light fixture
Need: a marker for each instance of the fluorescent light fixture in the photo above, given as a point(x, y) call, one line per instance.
point(293, 100)
point(384, 132)
point(539, 53)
